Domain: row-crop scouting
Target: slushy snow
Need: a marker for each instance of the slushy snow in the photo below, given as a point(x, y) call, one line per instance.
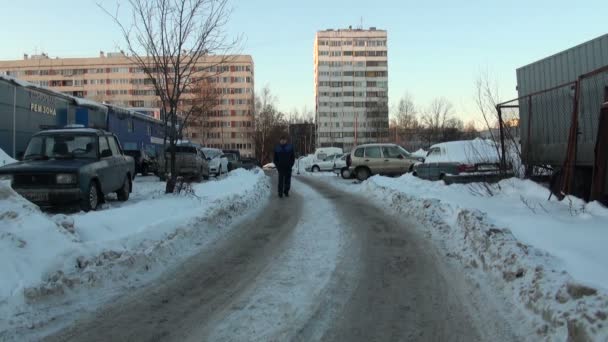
point(546, 257)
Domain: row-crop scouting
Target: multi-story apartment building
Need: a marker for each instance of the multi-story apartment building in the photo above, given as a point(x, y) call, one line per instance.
point(113, 78)
point(351, 87)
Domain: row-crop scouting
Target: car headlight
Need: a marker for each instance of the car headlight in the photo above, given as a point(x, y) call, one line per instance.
point(66, 178)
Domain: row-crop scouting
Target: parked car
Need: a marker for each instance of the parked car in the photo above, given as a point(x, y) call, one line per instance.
point(218, 163)
point(66, 166)
point(144, 162)
point(323, 152)
point(341, 167)
point(234, 159)
point(462, 162)
point(326, 164)
point(250, 163)
point(189, 162)
point(384, 159)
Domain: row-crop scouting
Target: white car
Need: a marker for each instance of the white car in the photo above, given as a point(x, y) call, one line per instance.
point(327, 164)
point(218, 163)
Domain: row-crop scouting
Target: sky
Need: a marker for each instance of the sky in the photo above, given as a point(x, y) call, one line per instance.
point(435, 48)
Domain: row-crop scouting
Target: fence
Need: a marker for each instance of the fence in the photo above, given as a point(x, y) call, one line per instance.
point(558, 129)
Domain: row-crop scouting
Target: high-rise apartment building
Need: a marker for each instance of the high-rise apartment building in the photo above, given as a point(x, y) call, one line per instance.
point(113, 78)
point(351, 87)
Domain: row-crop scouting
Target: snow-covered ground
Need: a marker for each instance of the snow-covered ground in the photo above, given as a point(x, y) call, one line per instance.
point(548, 258)
point(280, 300)
point(5, 158)
point(48, 259)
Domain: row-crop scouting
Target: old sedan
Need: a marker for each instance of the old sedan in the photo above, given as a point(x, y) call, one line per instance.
point(72, 166)
point(462, 162)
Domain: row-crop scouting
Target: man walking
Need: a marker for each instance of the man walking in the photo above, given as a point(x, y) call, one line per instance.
point(284, 158)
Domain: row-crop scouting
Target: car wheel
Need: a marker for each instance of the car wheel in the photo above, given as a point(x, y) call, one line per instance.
point(91, 200)
point(144, 170)
point(206, 177)
point(345, 173)
point(363, 174)
point(316, 168)
point(411, 168)
point(124, 191)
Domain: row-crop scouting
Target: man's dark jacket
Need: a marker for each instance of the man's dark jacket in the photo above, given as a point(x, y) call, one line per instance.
point(284, 157)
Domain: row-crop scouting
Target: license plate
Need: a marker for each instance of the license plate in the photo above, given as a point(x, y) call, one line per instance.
point(36, 196)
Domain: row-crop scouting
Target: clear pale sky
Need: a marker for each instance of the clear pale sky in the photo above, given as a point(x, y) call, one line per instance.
point(435, 48)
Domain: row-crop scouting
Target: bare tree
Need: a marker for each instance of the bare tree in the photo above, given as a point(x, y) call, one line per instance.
point(207, 97)
point(406, 114)
point(488, 99)
point(436, 117)
point(167, 39)
point(269, 124)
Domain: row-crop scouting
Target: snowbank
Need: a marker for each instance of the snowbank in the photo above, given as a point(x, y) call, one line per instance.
point(45, 256)
point(548, 258)
point(5, 158)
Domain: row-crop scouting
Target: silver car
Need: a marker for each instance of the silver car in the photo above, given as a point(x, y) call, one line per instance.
point(380, 159)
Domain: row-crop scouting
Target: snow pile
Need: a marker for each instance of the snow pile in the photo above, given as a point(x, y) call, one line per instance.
point(548, 258)
point(5, 158)
point(48, 256)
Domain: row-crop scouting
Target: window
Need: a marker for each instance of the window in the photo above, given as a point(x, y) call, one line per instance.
point(359, 153)
point(373, 152)
point(391, 152)
point(435, 151)
point(114, 146)
point(104, 149)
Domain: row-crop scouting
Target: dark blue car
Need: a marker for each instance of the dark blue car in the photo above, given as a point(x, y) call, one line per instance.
point(67, 166)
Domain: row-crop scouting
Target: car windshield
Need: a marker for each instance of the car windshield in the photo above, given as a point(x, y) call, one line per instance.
point(64, 146)
point(230, 156)
point(212, 153)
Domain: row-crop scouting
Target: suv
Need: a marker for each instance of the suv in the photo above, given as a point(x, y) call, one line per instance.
point(327, 164)
point(144, 163)
point(189, 161)
point(66, 166)
point(234, 159)
point(383, 159)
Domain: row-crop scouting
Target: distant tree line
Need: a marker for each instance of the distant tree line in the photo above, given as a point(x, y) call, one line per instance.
point(417, 127)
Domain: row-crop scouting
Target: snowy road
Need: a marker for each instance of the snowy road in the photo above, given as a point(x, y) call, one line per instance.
point(321, 265)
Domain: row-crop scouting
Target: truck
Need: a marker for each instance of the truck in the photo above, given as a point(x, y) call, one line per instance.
point(560, 102)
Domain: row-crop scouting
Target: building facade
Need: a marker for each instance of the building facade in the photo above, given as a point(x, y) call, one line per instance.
point(351, 87)
point(113, 78)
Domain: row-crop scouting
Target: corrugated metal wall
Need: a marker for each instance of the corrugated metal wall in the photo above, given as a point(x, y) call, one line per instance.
point(551, 111)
